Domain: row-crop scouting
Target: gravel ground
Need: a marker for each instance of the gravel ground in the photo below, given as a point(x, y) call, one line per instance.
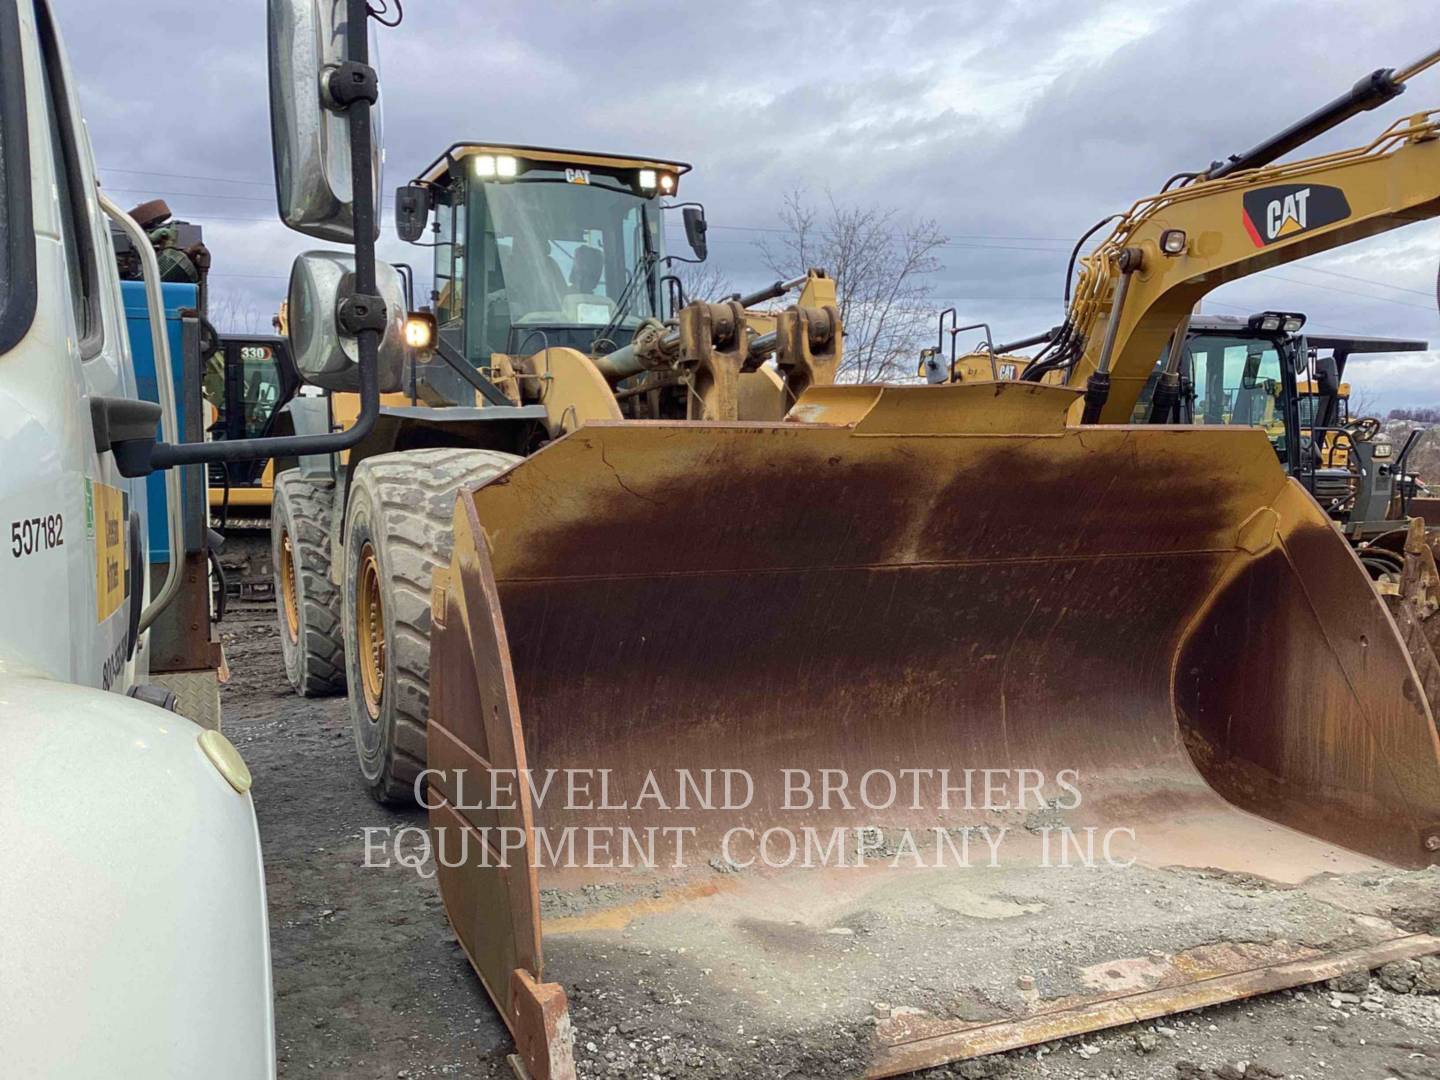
point(370, 983)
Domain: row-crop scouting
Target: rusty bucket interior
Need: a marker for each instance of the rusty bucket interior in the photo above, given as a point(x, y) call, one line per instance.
point(1157, 667)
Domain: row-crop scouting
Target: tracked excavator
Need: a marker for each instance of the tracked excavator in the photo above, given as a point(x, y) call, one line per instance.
point(903, 617)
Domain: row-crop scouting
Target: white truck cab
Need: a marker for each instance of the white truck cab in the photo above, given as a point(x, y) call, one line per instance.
point(132, 896)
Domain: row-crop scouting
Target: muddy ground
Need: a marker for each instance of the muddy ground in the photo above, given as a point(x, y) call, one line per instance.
point(370, 983)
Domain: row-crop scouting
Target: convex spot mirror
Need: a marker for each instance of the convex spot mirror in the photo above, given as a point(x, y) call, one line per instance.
point(324, 356)
point(412, 211)
point(311, 141)
point(695, 229)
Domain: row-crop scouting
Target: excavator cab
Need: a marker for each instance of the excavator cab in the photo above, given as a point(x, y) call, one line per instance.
point(1238, 372)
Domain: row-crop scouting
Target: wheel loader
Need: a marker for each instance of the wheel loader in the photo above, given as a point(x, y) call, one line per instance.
point(552, 310)
point(720, 706)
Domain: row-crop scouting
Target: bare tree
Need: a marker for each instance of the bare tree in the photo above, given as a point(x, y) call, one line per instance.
point(1362, 403)
point(702, 281)
point(880, 263)
point(233, 313)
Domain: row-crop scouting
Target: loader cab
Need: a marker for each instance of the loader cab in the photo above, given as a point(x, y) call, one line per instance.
point(538, 247)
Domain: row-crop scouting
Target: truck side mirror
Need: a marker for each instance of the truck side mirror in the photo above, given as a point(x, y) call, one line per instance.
point(325, 354)
point(412, 211)
point(695, 229)
point(309, 79)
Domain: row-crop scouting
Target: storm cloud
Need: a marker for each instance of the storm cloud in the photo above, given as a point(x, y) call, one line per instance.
point(1015, 125)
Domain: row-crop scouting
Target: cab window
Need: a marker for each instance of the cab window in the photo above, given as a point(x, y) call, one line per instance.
point(17, 249)
point(1231, 380)
point(259, 388)
point(243, 385)
point(74, 225)
point(1236, 381)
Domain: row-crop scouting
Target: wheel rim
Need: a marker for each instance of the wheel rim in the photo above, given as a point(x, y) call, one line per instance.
point(289, 596)
point(370, 620)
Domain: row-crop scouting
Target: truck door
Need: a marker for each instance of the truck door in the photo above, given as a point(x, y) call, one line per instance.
point(73, 526)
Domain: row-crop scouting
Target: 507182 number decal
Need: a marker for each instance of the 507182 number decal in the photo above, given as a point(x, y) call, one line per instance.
point(36, 534)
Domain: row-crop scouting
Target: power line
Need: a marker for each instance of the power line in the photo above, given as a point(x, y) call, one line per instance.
point(969, 242)
point(1348, 292)
point(185, 176)
point(1427, 293)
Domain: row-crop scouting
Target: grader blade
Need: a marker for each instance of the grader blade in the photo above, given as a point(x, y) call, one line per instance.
point(855, 748)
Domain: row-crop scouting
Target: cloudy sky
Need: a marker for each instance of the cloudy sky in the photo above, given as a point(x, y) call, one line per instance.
point(1014, 124)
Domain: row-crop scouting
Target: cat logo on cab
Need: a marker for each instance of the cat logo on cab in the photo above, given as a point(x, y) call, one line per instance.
point(577, 176)
point(1277, 213)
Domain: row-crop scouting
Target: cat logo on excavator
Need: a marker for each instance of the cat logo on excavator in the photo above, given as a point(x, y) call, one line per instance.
point(1280, 212)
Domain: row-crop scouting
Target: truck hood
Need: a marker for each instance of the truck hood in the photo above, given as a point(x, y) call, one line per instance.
point(136, 936)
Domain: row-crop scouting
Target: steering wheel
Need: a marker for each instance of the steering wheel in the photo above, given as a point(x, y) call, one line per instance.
point(1364, 429)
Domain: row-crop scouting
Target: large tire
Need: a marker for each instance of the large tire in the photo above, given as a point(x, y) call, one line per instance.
point(307, 602)
point(397, 531)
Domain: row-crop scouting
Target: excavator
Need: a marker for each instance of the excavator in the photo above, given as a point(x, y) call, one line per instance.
point(1245, 366)
point(801, 655)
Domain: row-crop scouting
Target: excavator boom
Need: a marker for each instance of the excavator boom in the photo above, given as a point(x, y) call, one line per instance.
point(1171, 249)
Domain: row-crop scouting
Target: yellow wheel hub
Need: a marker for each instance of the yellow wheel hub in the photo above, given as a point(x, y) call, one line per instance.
point(289, 595)
point(370, 631)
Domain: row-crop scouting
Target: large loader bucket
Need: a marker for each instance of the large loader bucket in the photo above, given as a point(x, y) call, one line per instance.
point(1157, 667)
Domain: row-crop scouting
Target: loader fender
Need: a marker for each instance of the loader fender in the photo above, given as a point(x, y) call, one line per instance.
point(136, 935)
point(951, 614)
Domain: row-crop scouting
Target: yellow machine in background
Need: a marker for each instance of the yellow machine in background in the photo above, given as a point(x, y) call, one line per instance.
point(248, 384)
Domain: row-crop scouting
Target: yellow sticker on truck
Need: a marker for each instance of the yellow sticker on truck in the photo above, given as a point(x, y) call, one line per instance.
point(111, 559)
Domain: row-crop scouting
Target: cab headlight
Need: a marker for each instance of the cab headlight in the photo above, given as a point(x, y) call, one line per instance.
point(496, 167)
point(420, 331)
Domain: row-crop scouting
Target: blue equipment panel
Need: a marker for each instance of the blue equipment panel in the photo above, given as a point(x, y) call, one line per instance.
point(177, 296)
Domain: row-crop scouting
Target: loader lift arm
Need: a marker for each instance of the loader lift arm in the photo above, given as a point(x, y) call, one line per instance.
point(1168, 250)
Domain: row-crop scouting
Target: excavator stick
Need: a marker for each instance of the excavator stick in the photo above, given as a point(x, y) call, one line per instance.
point(858, 747)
